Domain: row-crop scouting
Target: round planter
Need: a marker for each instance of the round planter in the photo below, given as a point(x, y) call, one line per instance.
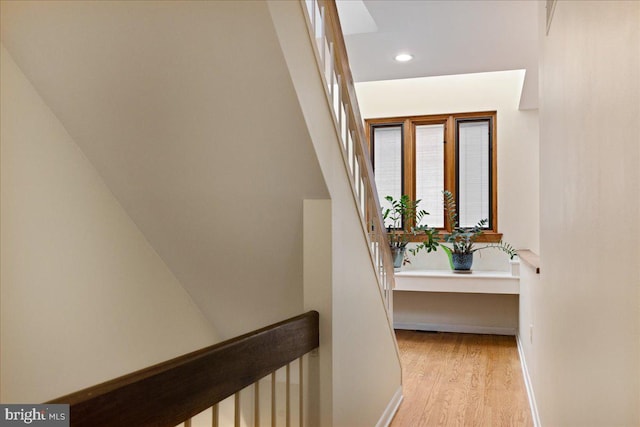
point(398, 256)
point(462, 262)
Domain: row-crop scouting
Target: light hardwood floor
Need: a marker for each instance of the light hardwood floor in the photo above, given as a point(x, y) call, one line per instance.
point(461, 380)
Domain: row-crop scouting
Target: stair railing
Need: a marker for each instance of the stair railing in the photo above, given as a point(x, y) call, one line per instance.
point(174, 391)
point(324, 28)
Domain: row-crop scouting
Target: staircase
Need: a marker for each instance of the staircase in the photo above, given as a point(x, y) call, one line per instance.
point(228, 138)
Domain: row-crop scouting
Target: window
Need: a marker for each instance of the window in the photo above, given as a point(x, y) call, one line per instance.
point(424, 155)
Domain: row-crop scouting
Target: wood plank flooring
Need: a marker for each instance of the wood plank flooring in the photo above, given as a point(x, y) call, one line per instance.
point(461, 380)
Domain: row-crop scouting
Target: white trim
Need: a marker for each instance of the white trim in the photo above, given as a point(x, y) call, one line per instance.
point(528, 384)
point(464, 329)
point(391, 409)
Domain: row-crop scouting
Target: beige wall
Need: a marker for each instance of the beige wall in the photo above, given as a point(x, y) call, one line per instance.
point(186, 110)
point(587, 313)
point(84, 297)
point(318, 295)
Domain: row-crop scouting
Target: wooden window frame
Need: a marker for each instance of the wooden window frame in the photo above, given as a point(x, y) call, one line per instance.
point(450, 121)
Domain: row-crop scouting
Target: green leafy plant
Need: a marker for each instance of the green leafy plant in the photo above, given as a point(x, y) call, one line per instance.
point(404, 213)
point(462, 239)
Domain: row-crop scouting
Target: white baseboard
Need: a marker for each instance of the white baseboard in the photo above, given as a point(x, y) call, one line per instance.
point(465, 329)
point(528, 384)
point(391, 409)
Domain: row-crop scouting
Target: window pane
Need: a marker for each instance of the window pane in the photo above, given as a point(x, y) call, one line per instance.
point(473, 179)
point(387, 165)
point(430, 173)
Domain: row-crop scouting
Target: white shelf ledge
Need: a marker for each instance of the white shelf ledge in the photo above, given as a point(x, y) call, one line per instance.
point(478, 282)
point(531, 259)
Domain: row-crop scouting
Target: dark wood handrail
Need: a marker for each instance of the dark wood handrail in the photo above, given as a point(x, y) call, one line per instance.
point(171, 392)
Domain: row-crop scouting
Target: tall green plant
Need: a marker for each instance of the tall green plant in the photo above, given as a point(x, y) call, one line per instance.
point(404, 213)
point(462, 239)
point(401, 213)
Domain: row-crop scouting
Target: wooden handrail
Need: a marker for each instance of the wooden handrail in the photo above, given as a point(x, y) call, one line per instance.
point(171, 392)
point(324, 22)
point(342, 63)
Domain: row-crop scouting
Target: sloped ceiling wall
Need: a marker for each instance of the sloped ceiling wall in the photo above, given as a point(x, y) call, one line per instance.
point(188, 112)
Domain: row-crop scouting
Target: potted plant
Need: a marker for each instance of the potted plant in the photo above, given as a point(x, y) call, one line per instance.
point(462, 239)
point(404, 213)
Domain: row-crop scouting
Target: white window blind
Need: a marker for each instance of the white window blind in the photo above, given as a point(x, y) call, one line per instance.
point(473, 178)
point(430, 173)
point(387, 156)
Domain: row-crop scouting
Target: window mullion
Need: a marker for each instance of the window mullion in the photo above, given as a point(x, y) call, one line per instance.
point(409, 166)
point(450, 163)
point(494, 175)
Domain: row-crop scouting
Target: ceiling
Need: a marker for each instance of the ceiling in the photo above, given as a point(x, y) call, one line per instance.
point(445, 37)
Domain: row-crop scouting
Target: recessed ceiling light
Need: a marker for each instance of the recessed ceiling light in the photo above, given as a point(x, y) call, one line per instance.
point(404, 57)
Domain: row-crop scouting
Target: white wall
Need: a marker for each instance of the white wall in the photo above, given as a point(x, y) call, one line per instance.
point(365, 369)
point(518, 217)
point(434, 311)
point(587, 313)
point(84, 297)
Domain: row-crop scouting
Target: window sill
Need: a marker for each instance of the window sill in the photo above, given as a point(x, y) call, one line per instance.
point(486, 237)
point(478, 282)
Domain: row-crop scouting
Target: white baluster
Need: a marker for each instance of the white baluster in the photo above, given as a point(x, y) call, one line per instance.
point(273, 399)
point(214, 416)
point(236, 410)
point(301, 394)
point(344, 134)
point(320, 35)
point(256, 403)
point(288, 396)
